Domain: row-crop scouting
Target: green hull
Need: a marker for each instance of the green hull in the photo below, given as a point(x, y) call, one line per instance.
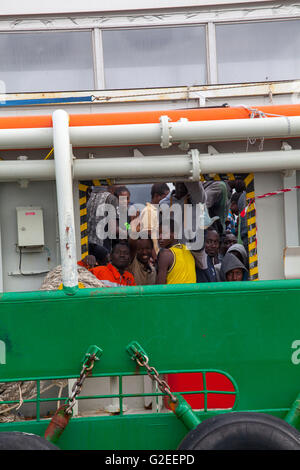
point(247, 330)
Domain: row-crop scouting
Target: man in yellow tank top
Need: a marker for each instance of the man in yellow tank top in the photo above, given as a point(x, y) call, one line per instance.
point(176, 264)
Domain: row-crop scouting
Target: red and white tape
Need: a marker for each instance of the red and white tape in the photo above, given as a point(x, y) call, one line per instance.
point(273, 193)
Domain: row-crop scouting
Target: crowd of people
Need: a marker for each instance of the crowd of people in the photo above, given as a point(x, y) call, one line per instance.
point(146, 248)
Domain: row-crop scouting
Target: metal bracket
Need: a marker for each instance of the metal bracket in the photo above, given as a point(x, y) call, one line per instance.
point(285, 146)
point(184, 145)
point(195, 160)
point(166, 138)
point(135, 348)
point(92, 350)
point(212, 150)
point(137, 153)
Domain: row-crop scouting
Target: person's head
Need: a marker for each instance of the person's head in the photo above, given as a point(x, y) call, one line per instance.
point(238, 184)
point(228, 240)
point(240, 252)
point(158, 192)
point(212, 242)
point(144, 247)
point(111, 188)
point(124, 193)
point(100, 253)
point(235, 274)
point(232, 269)
point(180, 190)
point(234, 203)
point(167, 234)
point(120, 256)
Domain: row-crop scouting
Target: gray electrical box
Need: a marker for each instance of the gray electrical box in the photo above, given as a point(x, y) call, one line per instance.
point(30, 226)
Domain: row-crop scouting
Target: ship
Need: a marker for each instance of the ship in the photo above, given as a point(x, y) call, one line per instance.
point(179, 92)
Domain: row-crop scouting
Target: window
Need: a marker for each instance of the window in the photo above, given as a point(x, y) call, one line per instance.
point(155, 57)
point(256, 52)
point(46, 61)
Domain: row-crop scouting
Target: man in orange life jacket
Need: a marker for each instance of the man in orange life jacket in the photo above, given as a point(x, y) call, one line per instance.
point(115, 274)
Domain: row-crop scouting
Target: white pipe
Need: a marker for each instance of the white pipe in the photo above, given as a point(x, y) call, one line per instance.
point(142, 134)
point(186, 131)
point(63, 174)
point(177, 167)
point(26, 138)
point(33, 170)
point(158, 166)
point(250, 162)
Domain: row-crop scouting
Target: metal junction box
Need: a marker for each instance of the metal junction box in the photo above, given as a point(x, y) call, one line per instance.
point(30, 226)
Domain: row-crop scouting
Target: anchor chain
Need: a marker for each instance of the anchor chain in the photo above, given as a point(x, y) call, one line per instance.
point(62, 416)
point(164, 387)
point(76, 389)
point(177, 403)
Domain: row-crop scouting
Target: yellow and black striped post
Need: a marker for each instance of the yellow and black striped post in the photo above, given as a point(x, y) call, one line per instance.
point(251, 223)
point(251, 219)
point(83, 219)
point(83, 187)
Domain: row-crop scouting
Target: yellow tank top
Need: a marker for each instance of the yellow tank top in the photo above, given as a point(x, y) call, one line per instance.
point(183, 269)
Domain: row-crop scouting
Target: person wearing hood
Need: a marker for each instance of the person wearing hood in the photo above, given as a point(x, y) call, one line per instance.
point(232, 269)
point(240, 252)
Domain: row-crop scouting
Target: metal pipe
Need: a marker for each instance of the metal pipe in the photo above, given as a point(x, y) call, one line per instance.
point(32, 170)
point(155, 168)
point(64, 182)
point(164, 133)
point(185, 131)
point(26, 138)
point(250, 162)
point(141, 167)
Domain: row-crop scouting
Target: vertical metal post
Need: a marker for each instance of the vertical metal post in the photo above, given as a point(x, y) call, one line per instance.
point(64, 191)
point(212, 66)
point(114, 406)
point(291, 211)
point(99, 77)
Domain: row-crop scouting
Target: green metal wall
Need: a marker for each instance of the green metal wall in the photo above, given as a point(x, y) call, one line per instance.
point(245, 329)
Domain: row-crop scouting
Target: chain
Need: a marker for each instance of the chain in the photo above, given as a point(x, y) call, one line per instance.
point(76, 389)
point(142, 361)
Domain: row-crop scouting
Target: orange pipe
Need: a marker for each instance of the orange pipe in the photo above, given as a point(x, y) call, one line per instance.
point(146, 117)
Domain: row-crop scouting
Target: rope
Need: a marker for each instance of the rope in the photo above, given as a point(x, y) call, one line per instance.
point(53, 279)
point(21, 391)
point(257, 113)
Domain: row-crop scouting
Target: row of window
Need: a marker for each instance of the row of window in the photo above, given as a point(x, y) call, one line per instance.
point(150, 57)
